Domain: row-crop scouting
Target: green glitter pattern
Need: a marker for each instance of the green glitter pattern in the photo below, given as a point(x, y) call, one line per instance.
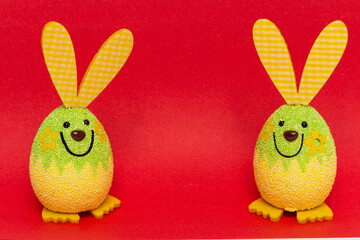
point(293, 117)
point(99, 153)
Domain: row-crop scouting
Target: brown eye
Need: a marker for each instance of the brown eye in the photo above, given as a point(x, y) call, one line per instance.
point(281, 123)
point(66, 124)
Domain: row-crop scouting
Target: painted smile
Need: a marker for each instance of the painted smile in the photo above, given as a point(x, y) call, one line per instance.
point(78, 155)
point(289, 156)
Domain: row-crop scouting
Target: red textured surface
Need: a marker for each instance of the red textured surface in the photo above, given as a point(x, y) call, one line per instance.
point(183, 115)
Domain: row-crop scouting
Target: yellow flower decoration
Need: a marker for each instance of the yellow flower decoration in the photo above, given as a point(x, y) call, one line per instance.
point(99, 130)
point(267, 129)
point(47, 140)
point(316, 142)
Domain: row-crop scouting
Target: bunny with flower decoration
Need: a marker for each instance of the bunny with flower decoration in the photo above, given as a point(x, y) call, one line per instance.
point(71, 162)
point(295, 156)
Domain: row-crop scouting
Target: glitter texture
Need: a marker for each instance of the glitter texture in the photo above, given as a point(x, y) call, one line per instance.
point(303, 181)
point(64, 182)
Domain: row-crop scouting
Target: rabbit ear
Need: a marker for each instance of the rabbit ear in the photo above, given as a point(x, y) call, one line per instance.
point(274, 55)
point(322, 60)
point(105, 65)
point(60, 60)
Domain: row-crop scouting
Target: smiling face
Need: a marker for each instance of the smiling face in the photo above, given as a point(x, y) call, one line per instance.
point(295, 133)
point(71, 165)
point(295, 154)
point(71, 135)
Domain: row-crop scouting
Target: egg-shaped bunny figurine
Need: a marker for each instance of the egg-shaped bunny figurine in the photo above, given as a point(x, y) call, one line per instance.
point(295, 156)
point(71, 162)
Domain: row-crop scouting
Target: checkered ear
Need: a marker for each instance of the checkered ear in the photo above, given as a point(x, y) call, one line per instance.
point(60, 60)
point(105, 65)
point(323, 59)
point(274, 55)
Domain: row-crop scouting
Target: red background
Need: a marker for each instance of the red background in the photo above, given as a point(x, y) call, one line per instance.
point(183, 115)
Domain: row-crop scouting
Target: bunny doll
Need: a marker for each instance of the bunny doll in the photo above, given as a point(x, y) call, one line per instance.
point(71, 162)
point(295, 156)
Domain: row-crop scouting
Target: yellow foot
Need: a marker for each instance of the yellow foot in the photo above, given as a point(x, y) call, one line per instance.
point(50, 216)
point(108, 205)
point(262, 208)
point(320, 213)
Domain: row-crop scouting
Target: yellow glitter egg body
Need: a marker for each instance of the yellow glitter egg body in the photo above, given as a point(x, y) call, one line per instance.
point(71, 162)
point(295, 159)
point(70, 191)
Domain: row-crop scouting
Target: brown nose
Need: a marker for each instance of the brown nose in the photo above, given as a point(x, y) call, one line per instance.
point(78, 135)
point(291, 135)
